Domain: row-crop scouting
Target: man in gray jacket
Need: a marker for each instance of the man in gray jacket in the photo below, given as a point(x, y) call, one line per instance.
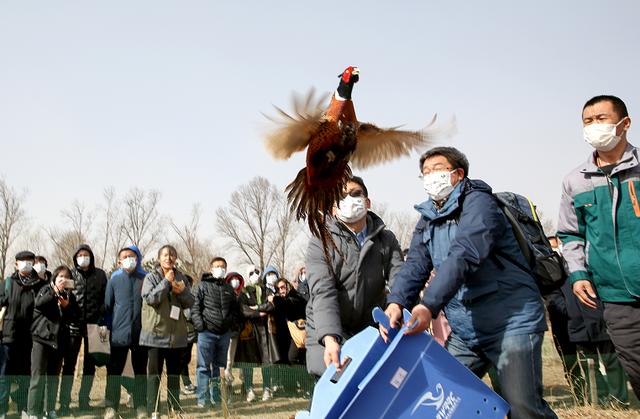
point(344, 290)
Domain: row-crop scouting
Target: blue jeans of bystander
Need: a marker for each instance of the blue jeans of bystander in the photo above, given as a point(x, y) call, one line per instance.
point(212, 355)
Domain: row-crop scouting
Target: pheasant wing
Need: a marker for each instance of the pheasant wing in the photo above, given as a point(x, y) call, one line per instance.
point(377, 145)
point(292, 132)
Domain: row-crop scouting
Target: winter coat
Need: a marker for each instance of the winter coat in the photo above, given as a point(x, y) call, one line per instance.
point(159, 330)
point(599, 226)
point(123, 304)
point(303, 289)
point(89, 291)
point(342, 298)
point(216, 306)
point(486, 295)
point(49, 317)
point(260, 346)
point(293, 306)
point(19, 302)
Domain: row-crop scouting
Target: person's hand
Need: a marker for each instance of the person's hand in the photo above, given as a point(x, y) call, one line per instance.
point(420, 320)
point(394, 312)
point(171, 276)
point(177, 287)
point(263, 314)
point(253, 307)
point(63, 301)
point(331, 352)
point(60, 283)
point(585, 293)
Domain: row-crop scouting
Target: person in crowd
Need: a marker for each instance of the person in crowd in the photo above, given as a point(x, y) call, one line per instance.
point(123, 305)
point(269, 278)
point(54, 304)
point(302, 285)
point(192, 336)
point(17, 297)
point(215, 313)
point(237, 283)
point(292, 305)
point(256, 345)
point(90, 283)
point(599, 224)
point(345, 290)
point(165, 294)
point(40, 266)
point(277, 326)
point(494, 308)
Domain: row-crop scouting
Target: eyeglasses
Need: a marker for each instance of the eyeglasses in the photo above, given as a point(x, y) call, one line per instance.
point(282, 287)
point(434, 168)
point(356, 193)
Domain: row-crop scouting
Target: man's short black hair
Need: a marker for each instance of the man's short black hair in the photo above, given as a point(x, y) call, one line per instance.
point(454, 156)
point(41, 259)
point(359, 181)
point(219, 259)
point(618, 105)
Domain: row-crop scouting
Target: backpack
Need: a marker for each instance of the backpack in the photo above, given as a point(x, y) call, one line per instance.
point(546, 265)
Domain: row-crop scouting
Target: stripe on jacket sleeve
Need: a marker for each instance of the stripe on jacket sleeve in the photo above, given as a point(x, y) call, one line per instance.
point(570, 232)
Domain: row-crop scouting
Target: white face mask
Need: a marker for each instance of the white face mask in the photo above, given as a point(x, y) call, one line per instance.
point(83, 261)
point(438, 185)
point(253, 279)
point(129, 264)
point(40, 268)
point(218, 272)
point(602, 137)
point(351, 209)
point(25, 266)
point(271, 279)
point(303, 277)
point(235, 283)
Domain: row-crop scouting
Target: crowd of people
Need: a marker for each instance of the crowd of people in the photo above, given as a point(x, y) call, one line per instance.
point(152, 319)
point(464, 277)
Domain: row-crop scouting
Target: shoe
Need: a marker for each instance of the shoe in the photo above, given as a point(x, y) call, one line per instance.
point(51, 415)
point(251, 396)
point(188, 390)
point(141, 413)
point(266, 395)
point(201, 406)
point(110, 413)
point(275, 388)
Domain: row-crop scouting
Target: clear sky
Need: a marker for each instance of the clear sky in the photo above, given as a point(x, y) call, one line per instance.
point(169, 94)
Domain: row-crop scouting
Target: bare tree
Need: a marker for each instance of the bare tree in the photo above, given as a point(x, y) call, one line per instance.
point(402, 224)
point(11, 215)
point(111, 232)
point(285, 232)
point(250, 219)
point(65, 244)
point(194, 252)
point(79, 219)
point(141, 220)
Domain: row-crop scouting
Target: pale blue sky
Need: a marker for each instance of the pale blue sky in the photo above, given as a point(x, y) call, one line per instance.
point(169, 94)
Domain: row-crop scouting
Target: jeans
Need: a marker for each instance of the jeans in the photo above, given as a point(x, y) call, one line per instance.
point(518, 363)
point(212, 355)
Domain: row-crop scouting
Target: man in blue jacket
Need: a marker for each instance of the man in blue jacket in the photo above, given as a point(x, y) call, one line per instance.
point(494, 308)
point(123, 305)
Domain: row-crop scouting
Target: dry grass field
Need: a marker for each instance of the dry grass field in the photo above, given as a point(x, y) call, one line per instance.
point(281, 406)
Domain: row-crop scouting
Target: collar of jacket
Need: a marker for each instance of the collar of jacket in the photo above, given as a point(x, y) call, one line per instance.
point(208, 277)
point(27, 282)
point(628, 160)
point(374, 226)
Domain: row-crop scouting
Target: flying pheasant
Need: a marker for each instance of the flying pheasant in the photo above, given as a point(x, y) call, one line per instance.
point(333, 137)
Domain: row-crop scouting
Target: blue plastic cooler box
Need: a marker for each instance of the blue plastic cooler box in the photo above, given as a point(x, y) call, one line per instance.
point(411, 377)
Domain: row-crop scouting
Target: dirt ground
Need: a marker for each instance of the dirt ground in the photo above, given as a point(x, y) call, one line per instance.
point(283, 406)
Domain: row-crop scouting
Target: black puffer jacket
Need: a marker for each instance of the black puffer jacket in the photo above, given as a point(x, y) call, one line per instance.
point(216, 307)
point(49, 317)
point(19, 302)
point(90, 287)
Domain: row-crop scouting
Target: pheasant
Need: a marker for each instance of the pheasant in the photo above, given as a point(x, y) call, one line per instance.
point(333, 137)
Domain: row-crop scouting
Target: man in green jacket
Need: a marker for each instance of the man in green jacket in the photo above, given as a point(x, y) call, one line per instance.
point(599, 225)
